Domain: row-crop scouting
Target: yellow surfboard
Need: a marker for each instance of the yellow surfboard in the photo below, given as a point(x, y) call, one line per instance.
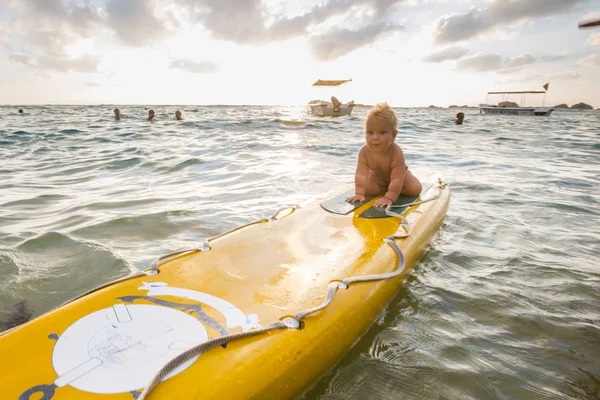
point(111, 343)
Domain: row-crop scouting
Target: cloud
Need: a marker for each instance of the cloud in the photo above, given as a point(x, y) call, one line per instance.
point(495, 62)
point(47, 27)
point(236, 21)
point(5, 33)
point(58, 63)
point(86, 63)
point(566, 76)
point(341, 42)
point(590, 61)
point(553, 58)
point(476, 21)
point(250, 22)
point(451, 53)
point(44, 29)
point(595, 39)
point(519, 61)
point(481, 62)
point(458, 27)
point(533, 77)
point(59, 16)
point(22, 59)
point(135, 21)
point(591, 16)
point(203, 67)
point(84, 18)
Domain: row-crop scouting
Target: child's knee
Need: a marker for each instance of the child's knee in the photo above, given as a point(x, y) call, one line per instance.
point(412, 186)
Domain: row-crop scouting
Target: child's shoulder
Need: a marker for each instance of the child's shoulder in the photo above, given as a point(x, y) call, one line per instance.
point(396, 148)
point(396, 152)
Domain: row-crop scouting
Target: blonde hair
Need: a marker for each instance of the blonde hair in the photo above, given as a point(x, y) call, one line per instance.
point(383, 110)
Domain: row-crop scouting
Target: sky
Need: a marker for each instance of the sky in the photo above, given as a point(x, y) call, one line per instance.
point(405, 52)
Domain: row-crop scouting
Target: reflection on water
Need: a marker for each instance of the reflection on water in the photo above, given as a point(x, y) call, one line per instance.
point(504, 305)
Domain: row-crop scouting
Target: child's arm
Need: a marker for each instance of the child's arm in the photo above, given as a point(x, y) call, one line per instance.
point(360, 178)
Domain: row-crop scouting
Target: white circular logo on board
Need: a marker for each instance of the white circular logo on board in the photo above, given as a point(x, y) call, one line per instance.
point(120, 349)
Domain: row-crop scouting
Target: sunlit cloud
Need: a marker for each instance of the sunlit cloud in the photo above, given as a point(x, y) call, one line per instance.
point(535, 77)
point(519, 61)
point(22, 59)
point(590, 61)
point(451, 53)
point(481, 62)
point(495, 62)
point(340, 42)
point(553, 57)
point(114, 48)
point(202, 67)
point(595, 39)
point(58, 63)
point(477, 21)
point(137, 22)
point(566, 76)
point(250, 22)
point(591, 16)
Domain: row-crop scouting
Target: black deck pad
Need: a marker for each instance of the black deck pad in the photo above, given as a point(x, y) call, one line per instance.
point(339, 205)
point(379, 212)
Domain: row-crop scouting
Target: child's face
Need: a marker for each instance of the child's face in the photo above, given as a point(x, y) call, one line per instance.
point(379, 133)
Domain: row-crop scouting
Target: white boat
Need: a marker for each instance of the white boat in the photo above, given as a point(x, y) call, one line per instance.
point(333, 108)
point(511, 110)
point(491, 109)
point(324, 108)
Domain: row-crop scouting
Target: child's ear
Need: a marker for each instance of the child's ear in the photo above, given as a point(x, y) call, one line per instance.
point(395, 132)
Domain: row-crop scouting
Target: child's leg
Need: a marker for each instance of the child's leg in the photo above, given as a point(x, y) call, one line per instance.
point(412, 186)
point(375, 186)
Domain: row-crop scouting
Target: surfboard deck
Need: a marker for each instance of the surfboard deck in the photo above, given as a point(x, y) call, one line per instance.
point(109, 344)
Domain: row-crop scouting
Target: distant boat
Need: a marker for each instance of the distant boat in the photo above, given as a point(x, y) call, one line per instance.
point(333, 108)
point(512, 110)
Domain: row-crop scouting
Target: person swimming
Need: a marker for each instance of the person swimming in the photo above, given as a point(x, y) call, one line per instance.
point(118, 114)
point(20, 111)
point(151, 115)
point(459, 118)
point(178, 115)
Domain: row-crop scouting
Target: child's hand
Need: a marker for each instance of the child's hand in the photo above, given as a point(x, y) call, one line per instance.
point(383, 202)
point(355, 198)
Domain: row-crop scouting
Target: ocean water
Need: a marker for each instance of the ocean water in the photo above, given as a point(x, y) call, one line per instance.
point(505, 304)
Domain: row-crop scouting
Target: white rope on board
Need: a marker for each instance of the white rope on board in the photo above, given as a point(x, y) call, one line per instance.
point(297, 321)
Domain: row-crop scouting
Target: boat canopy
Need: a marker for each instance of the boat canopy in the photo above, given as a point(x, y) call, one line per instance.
point(523, 92)
point(322, 82)
point(589, 24)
